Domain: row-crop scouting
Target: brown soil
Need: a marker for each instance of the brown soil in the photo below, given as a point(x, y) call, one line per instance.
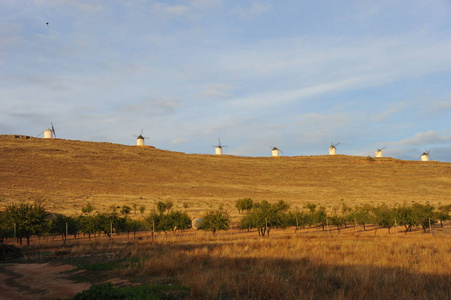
point(37, 281)
point(69, 173)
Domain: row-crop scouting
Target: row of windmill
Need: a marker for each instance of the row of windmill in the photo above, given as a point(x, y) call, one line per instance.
point(50, 133)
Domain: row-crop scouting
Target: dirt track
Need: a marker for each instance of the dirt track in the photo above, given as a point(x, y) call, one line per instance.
point(37, 281)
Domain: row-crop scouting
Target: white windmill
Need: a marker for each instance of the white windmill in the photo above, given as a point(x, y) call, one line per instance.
point(140, 139)
point(332, 148)
point(50, 132)
point(275, 151)
point(378, 152)
point(218, 148)
point(425, 156)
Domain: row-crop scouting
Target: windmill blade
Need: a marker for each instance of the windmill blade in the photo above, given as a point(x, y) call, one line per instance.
point(40, 134)
point(53, 130)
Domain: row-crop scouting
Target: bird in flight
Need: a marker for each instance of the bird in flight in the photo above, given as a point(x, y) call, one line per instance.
point(47, 23)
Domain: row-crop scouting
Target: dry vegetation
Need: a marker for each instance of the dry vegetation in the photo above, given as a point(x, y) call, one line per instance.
point(69, 173)
point(309, 264)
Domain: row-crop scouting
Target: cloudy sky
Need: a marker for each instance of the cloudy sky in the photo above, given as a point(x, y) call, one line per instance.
point(293, 74)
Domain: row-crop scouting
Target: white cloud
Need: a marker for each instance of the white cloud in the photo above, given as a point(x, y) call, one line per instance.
point(424, 139)
point(393, 108)
point(259, 8)
point(217, 91)
point(178, 141)
point(271, 99)
point(256, 9)
point(172, 10)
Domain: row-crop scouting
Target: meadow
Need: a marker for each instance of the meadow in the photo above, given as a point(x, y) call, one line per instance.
point(310, 263)
point(306, 264)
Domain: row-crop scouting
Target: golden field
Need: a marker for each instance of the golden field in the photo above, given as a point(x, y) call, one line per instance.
point(66, 174)
point(307, 264)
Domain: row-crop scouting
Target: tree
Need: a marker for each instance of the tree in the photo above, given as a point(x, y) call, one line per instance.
point(57, 226)
point(6, 227)
point(87, 209)
point(361, 215)
point(215, 220)
point(30, 219)
point(265, 216)
point(384, 216)
point(320, 217)
point(244, 204)
point(443, 214)
point(424, 214)
point(142, 209)
point(164, 206)
point(297, 219)
point(337, 221)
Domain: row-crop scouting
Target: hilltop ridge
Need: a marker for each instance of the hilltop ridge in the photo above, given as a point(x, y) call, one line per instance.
point(67, 173)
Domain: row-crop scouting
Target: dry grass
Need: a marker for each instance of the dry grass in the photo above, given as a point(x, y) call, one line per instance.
point(69, 173)
point(306, 265)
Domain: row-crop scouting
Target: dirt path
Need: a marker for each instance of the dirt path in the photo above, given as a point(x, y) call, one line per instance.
point(37, 281)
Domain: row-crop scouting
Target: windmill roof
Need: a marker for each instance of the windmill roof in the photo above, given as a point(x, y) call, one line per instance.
point(140, 137)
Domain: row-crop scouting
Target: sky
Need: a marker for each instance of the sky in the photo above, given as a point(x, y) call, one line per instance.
point(297, 75)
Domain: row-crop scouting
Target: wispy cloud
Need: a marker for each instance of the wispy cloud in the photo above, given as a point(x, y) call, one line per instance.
point(173, 10)
point(217, 91)
point(179, 141)
point(424, 139)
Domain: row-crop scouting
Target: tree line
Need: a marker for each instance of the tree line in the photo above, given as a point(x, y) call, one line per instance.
point(24, 221)
point(264, 216)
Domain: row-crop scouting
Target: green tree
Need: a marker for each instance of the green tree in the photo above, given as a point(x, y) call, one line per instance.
point(265, 216)
point(362, 215)
point(215, 220)
point(6, 227)
point(297, 219)
point(142, 209)
point(443, 214)
point(244, 204)
point(88, 208)
point(385, 216)
point(57, 226)
point(30, 219)
point(320, 217)
point(337, 221)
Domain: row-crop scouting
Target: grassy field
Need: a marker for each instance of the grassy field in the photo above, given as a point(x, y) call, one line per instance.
point(308, 264)
point(67, 174)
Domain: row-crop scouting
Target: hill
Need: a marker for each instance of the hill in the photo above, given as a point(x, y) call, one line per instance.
point(68, 173)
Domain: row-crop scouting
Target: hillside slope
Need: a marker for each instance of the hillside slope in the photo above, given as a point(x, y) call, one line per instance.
point(69, 173)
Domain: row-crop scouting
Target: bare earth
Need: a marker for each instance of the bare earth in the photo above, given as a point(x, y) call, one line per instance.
point(37, 281)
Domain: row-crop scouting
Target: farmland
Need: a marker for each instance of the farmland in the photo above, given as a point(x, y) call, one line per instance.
point(310, 263)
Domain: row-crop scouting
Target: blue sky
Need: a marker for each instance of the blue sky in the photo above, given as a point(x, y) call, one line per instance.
point(293, 74)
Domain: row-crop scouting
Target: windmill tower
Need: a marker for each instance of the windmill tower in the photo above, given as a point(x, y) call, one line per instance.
point(425, 156)
point(332, 148)
point(275, 151)
point(140, 139)
point(378, 152)
point(218, 148)
point(50, 133)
